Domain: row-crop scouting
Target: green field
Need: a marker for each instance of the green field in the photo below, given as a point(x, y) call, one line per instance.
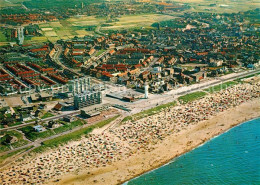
point(221, 6)
point(220, 87)
point(69, 126)
point(29, 121)
point(83, 25)
point(249, 76)
point(191, 97)
point(33, 135)
point(4, 3)
point(2, 37)
point(99, 52)
point(47, 115)
point(8, 3)
point(14, 124)
point(69, 28)
point(136, 21)
point(20, 141)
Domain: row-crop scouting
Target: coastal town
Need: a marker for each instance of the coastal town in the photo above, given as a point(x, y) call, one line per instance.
point(88, 85)
point(119, 143)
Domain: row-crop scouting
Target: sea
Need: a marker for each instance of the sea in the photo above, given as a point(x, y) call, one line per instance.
point(231, 158)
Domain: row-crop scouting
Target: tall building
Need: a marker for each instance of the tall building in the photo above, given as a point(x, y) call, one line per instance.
point(20, 35)
point(80, 85)
point(87, 99)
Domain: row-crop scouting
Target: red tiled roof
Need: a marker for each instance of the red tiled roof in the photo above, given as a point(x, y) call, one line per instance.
point(202, 53)
point(138, 65)
point(76, 54)
point(107, 74)
point(39, 49)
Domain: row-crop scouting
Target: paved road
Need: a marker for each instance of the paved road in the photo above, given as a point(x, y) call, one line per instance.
point(97, 30)
point(217, 81)
point(158, 99)
point(14, 76)
point(141, 105)
point(56, 59)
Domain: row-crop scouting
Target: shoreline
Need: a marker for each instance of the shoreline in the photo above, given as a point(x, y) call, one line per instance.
point(200, 145)
point(184, 141)
point(131, 149)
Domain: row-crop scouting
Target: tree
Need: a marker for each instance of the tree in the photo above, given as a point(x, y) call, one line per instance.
point(50, 124)
point(6, 139)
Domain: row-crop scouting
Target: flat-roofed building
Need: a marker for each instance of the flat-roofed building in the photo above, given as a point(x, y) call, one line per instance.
point(87, 99)
point(95, 110)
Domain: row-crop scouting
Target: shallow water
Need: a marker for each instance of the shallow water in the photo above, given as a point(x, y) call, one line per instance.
point(231, 158)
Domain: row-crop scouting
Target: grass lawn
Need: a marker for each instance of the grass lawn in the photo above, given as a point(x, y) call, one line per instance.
point(14, 124)
point(2, 37)
point(33, 135)
point(249, 76)
point(192, 96)
point(20, 141)
point(4, 148)
point(72, 136)
point(220, 87)
point(69, 126)
point(149, 112)
point(62, 128)
point(29, 121)
point(47, 115)
point(99, 52)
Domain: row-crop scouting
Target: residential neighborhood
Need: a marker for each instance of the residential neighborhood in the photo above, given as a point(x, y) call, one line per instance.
point(97, 85)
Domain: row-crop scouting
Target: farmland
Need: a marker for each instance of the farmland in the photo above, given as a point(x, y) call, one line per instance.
point(136, 21)
point(83, 25)
point(220, 6)
point(69, 28)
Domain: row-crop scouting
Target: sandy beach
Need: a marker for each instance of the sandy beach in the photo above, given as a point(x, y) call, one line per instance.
point(170, 148)
point(120, 153)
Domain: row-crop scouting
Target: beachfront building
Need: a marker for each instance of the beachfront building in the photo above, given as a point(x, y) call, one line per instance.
point(87, 99)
